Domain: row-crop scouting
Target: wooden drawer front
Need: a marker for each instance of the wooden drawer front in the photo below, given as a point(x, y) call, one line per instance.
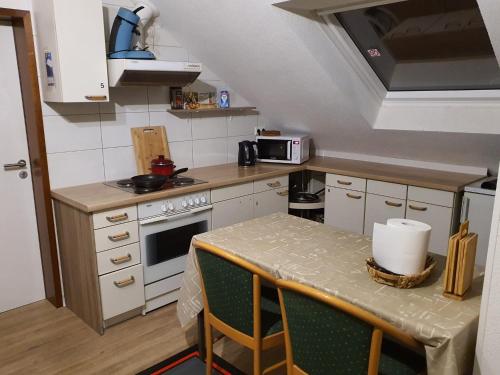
point(386, 189)
point(379, 209)
point(346, 182)
point(431, 196)
point(119, 258)
point(230, 192)
point(232, 211)
point(345, 209)
point(438, 217)
point(122, 291)
point(118, 216)
point(270, 183)
point(116, 236)
point(271, 201)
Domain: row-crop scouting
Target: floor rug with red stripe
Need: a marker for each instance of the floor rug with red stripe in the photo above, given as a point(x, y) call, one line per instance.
point(188, 362)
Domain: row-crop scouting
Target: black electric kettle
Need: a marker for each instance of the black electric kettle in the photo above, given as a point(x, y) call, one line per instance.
point(246, 154)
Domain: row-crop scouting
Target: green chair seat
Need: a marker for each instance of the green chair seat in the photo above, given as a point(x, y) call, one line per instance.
point(398, 360)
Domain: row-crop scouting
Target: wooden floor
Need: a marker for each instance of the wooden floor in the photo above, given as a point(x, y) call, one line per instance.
point(39, 339)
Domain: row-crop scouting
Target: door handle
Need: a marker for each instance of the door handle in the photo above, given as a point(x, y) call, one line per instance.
point(14, 166)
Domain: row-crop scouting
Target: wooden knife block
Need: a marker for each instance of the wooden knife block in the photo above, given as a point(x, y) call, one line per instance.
point(460, 262)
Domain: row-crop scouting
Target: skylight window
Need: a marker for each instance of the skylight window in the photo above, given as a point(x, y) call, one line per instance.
point(418, 45)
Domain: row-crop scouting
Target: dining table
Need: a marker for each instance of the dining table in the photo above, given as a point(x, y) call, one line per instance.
point(334, 261)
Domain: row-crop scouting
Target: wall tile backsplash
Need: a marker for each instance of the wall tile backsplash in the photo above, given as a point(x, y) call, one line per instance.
point(89, 142)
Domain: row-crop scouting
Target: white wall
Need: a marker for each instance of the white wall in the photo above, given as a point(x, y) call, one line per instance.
point(286, 65)
point(488, 339)
point(91, 142)
point(16, 4)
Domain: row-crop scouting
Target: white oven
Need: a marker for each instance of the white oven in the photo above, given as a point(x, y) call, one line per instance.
point(165, 230)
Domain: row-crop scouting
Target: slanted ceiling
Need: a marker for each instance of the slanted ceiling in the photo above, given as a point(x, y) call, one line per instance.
point(284, 63)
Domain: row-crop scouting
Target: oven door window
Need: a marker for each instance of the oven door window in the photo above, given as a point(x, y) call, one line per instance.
point(274, 149)
point(171, 243)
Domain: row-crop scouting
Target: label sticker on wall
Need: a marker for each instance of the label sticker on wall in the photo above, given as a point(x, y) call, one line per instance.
point(374, 52)
point(49, 67)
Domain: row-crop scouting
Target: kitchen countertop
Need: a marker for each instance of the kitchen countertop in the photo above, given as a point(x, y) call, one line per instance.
point(98, 197)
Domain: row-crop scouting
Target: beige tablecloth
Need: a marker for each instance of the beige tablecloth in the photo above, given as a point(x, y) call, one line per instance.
point(334, 261)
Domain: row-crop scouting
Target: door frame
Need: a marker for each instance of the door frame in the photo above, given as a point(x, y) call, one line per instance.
point(32, 107)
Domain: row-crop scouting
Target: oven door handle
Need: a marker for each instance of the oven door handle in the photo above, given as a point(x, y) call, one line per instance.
point(152, 220)
point(160, 218)
point(201, 209)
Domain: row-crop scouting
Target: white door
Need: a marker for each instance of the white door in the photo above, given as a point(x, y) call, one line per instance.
point(438, 217)
point(378, 209)
point(345, 209)
point(271, 201)
point(21, 279)
point(232, 211)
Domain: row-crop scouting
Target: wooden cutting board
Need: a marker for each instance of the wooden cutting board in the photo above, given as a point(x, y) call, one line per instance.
point(465, 263)
point(450, 271)
point(149, 142)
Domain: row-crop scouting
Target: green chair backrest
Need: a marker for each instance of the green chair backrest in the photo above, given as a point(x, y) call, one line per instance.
point(229, 290)
point(326, 340)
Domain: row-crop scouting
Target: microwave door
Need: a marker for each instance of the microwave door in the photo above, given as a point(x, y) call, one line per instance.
point(273, 149)
point(289, 150)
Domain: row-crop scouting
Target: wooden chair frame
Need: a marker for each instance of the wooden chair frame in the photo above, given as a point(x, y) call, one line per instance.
point(380, 326)
point(257, 343)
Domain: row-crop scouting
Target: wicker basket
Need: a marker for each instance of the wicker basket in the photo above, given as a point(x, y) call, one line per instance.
point(382, 276)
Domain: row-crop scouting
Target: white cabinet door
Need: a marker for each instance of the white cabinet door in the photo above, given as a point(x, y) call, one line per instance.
point(479, 214)
point(345, 209)
point(232, 211)
point(438, 217)
point(72, 50)
point(271, 201)
point(379, 209)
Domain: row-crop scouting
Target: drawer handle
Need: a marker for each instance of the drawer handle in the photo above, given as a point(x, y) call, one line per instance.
point(119, 237)
point(392, 204)
point(349, 195)
point(417, 208)
point(122, 259)
point(340, 182)
point(283, 193)
point(124, 283)
point(275, 184)
point(117, 218)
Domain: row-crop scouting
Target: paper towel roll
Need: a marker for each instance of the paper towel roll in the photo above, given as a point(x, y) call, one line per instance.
point(401, 245)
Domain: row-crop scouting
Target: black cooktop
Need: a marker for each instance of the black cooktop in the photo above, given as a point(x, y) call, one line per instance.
point(490, 185)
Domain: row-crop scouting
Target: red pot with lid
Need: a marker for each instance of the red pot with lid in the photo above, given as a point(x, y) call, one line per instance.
point(162, 166)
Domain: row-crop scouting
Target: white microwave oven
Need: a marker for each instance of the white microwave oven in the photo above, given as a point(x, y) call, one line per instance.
point(290, 149)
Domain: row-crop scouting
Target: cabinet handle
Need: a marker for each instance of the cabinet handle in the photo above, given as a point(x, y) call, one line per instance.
point(117, 218)
point(417, 208)
point(275, 184)
point(349, 195)
point(122, 259)
point(392, 204)
point(340, 182)
point(96, 98)
point(283, 193)
point(119, 237)
point(124, 283)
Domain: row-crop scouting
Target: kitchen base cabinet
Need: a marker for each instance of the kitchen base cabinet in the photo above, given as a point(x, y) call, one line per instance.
point(438, 217)
point(122, 291)
point(237, 203)
point(345, 209)
point(232, 211)
point(271, 201)
point(118, 293)
point(380, 208)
